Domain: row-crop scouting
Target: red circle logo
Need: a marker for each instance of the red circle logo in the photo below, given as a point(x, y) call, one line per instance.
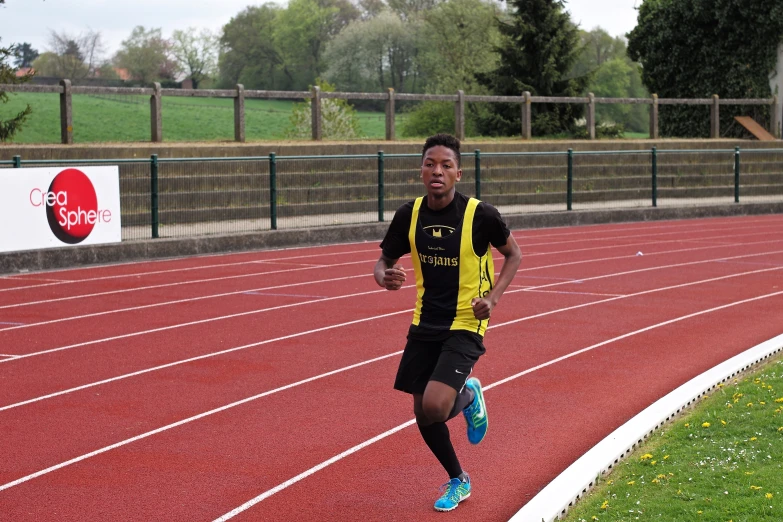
point(72, 207)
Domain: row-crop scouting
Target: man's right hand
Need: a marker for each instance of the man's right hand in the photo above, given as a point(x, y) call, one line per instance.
point(394, 277)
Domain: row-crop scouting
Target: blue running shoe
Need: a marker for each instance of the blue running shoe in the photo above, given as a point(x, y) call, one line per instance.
point(476, 413)
point(454, 492)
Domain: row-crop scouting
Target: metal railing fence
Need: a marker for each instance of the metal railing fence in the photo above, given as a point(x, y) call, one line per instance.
point(186, 197)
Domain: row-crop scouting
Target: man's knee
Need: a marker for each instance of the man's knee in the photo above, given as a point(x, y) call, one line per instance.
point(435, 410)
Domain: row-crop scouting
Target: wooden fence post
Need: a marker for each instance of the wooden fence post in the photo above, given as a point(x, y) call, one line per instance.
point(459, 116)
point(66, 113)
point(390, 116)
point(526, 115)
point(156, 118)
point(715, 117)
point(239, 114)
point(591, 115)
point(315, 113)
point(774, 119)
point(654, 118)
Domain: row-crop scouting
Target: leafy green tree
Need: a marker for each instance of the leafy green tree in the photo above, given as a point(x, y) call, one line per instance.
point(24, 55)
point(338, 118)
point(303, 30)
point(458, 39)
point(146, 55)
point(539, 48)
point(249, 54)
point(374, 54)
point(697, 48)
point(9, 127)
point(195, 53)
point(612, 74)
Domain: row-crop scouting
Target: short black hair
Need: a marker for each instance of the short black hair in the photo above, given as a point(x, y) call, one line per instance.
point(444, 140)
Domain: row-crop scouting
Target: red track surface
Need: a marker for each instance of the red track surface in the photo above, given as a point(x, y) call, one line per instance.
point(183, 389)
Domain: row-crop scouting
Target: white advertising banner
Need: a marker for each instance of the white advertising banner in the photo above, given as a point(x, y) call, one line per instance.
point(59, 207)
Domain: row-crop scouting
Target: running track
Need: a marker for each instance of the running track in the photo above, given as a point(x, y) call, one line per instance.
point(259, 385)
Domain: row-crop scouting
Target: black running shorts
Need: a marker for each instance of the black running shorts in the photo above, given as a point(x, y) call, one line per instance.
point(449, 360)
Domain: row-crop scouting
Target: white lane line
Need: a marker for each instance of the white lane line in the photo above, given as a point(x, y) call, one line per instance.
point(177, 301)
point(180, 325)
point(678, 226)
point(8, 355)
point(250, 503)
point(572, 293)
point(192, 323)
point(178, 283)
point(636, 246)
point(774, 226)
point(527, 318)
point(172, 270)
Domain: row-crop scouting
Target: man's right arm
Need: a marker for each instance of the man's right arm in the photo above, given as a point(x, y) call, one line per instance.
point(388, 273)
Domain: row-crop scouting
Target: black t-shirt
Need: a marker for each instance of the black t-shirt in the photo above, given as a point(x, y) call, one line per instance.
point(488, 228)
point(488, 225)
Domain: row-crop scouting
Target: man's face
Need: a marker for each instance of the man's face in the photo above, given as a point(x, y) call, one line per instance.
point(440, 171)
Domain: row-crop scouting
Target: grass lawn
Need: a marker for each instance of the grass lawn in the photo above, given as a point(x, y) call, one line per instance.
point(118, 118)
point(721, 462)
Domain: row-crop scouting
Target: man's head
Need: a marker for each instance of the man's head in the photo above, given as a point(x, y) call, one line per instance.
point(440, 169)
point(444, 140)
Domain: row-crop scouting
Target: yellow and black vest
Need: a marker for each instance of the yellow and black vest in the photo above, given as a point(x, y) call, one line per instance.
point(449, 274)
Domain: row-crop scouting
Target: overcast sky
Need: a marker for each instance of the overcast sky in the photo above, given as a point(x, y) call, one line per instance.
point(31, 20)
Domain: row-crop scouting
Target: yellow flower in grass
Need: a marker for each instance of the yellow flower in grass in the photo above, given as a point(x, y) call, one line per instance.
point(665, 457)
point(755, 488)
point(780, 429)
point(723, 422)
point(687, 425)
point(631, 482)
point(779, 400)
point(610, 482)
point(655, 481)
point(705, 425)
point(646, 456)
point(768, 496)
point(653, 462)
point(749, 405)
point(753, 438)
point(605, 505)
point(699, 512)
point(762, 403)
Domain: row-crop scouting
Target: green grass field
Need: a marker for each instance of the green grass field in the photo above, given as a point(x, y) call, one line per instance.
point(721, 462)
point(120, 118)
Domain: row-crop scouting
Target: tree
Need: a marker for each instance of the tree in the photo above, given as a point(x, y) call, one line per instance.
point(458, 41)
point(248, 53)
point(697, 48)
point(24, 55)
point(303, 29)
point(146, 55)
point(9, 127)
point(374, 54)
point(612, 75)
point(195, 53)
point(540, 45)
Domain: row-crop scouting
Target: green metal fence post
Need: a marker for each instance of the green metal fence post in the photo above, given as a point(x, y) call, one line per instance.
point(478, 173)
point(17, 162)
point(272, 191)
point(736, 173)
point(380, 186)
point(654, 177)
point(570, 180)
point(154, 217)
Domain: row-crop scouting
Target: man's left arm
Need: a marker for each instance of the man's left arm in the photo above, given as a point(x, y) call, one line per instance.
point(482, 307)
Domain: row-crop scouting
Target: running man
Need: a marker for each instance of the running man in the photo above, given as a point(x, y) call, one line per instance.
point(448, 236)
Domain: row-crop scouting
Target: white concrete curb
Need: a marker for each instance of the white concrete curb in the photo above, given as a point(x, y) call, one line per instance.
point(559, 495)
